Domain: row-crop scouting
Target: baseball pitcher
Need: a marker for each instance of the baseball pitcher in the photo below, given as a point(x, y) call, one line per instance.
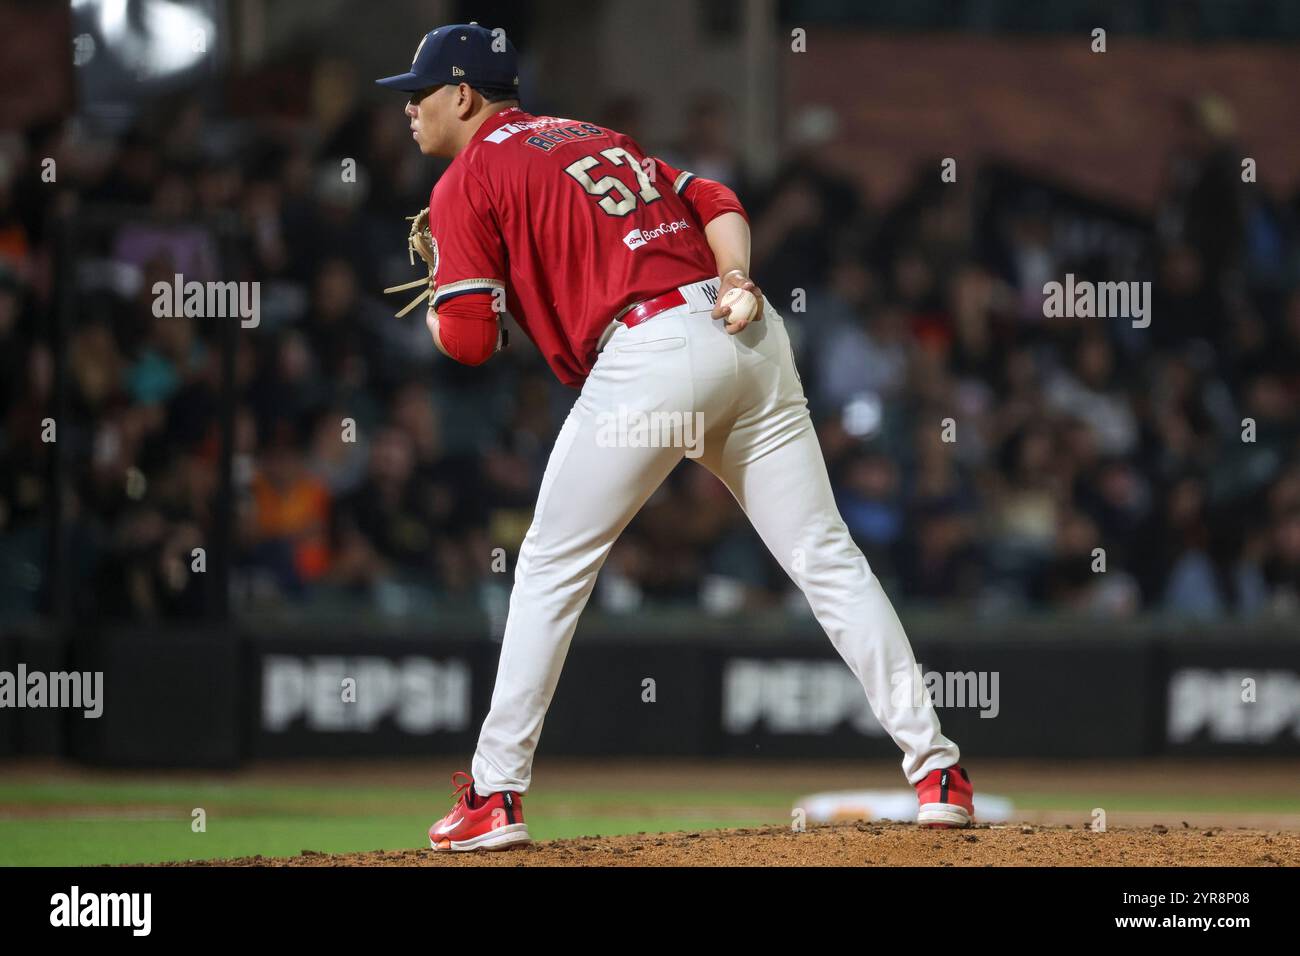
point(617, 266)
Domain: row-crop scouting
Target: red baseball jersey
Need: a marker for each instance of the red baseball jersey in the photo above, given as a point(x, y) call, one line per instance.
point(573, 222)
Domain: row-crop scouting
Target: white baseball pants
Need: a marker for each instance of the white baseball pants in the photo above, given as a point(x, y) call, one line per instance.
point(759, 439)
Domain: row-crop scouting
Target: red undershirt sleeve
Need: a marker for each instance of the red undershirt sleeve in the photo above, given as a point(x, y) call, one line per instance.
point(709, 199)
point(468, 327)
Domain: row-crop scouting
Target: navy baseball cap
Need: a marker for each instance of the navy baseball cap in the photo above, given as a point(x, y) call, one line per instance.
point(460, 53)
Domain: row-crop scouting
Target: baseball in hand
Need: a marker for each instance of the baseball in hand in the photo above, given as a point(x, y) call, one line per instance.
point(743, 305)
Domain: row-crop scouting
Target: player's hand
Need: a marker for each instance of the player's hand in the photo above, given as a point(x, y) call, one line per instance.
point(736, 279)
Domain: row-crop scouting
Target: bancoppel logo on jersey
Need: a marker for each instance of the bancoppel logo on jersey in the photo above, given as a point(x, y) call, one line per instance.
point(637, 238)
point(75, 908)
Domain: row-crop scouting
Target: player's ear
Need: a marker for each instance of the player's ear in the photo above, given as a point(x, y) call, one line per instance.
point(464, 100)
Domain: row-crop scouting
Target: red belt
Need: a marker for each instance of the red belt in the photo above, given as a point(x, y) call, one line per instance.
point(651, 307)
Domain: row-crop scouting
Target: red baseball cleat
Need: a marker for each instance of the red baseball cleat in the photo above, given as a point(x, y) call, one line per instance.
point(494, 822)
point(946, 799)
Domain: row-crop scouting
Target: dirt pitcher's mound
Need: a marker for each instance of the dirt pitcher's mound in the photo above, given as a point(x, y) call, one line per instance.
point(864, 844)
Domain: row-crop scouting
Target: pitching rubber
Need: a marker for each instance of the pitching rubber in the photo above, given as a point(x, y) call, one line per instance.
point(943, 815)
point(502, 838)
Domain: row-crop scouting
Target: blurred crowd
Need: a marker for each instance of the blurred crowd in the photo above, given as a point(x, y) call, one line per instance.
point(986, 458)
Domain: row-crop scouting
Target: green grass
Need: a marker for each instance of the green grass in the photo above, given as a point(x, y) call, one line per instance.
point(111, 822)
point(89, 842)
point(62, 823)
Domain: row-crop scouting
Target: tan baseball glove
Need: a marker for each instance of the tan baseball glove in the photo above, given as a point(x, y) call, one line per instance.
point(419, 242)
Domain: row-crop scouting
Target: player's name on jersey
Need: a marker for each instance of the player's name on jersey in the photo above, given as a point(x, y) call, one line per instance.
point(547, 139)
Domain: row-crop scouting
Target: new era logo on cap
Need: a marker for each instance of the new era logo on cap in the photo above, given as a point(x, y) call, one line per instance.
point(457, 71)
